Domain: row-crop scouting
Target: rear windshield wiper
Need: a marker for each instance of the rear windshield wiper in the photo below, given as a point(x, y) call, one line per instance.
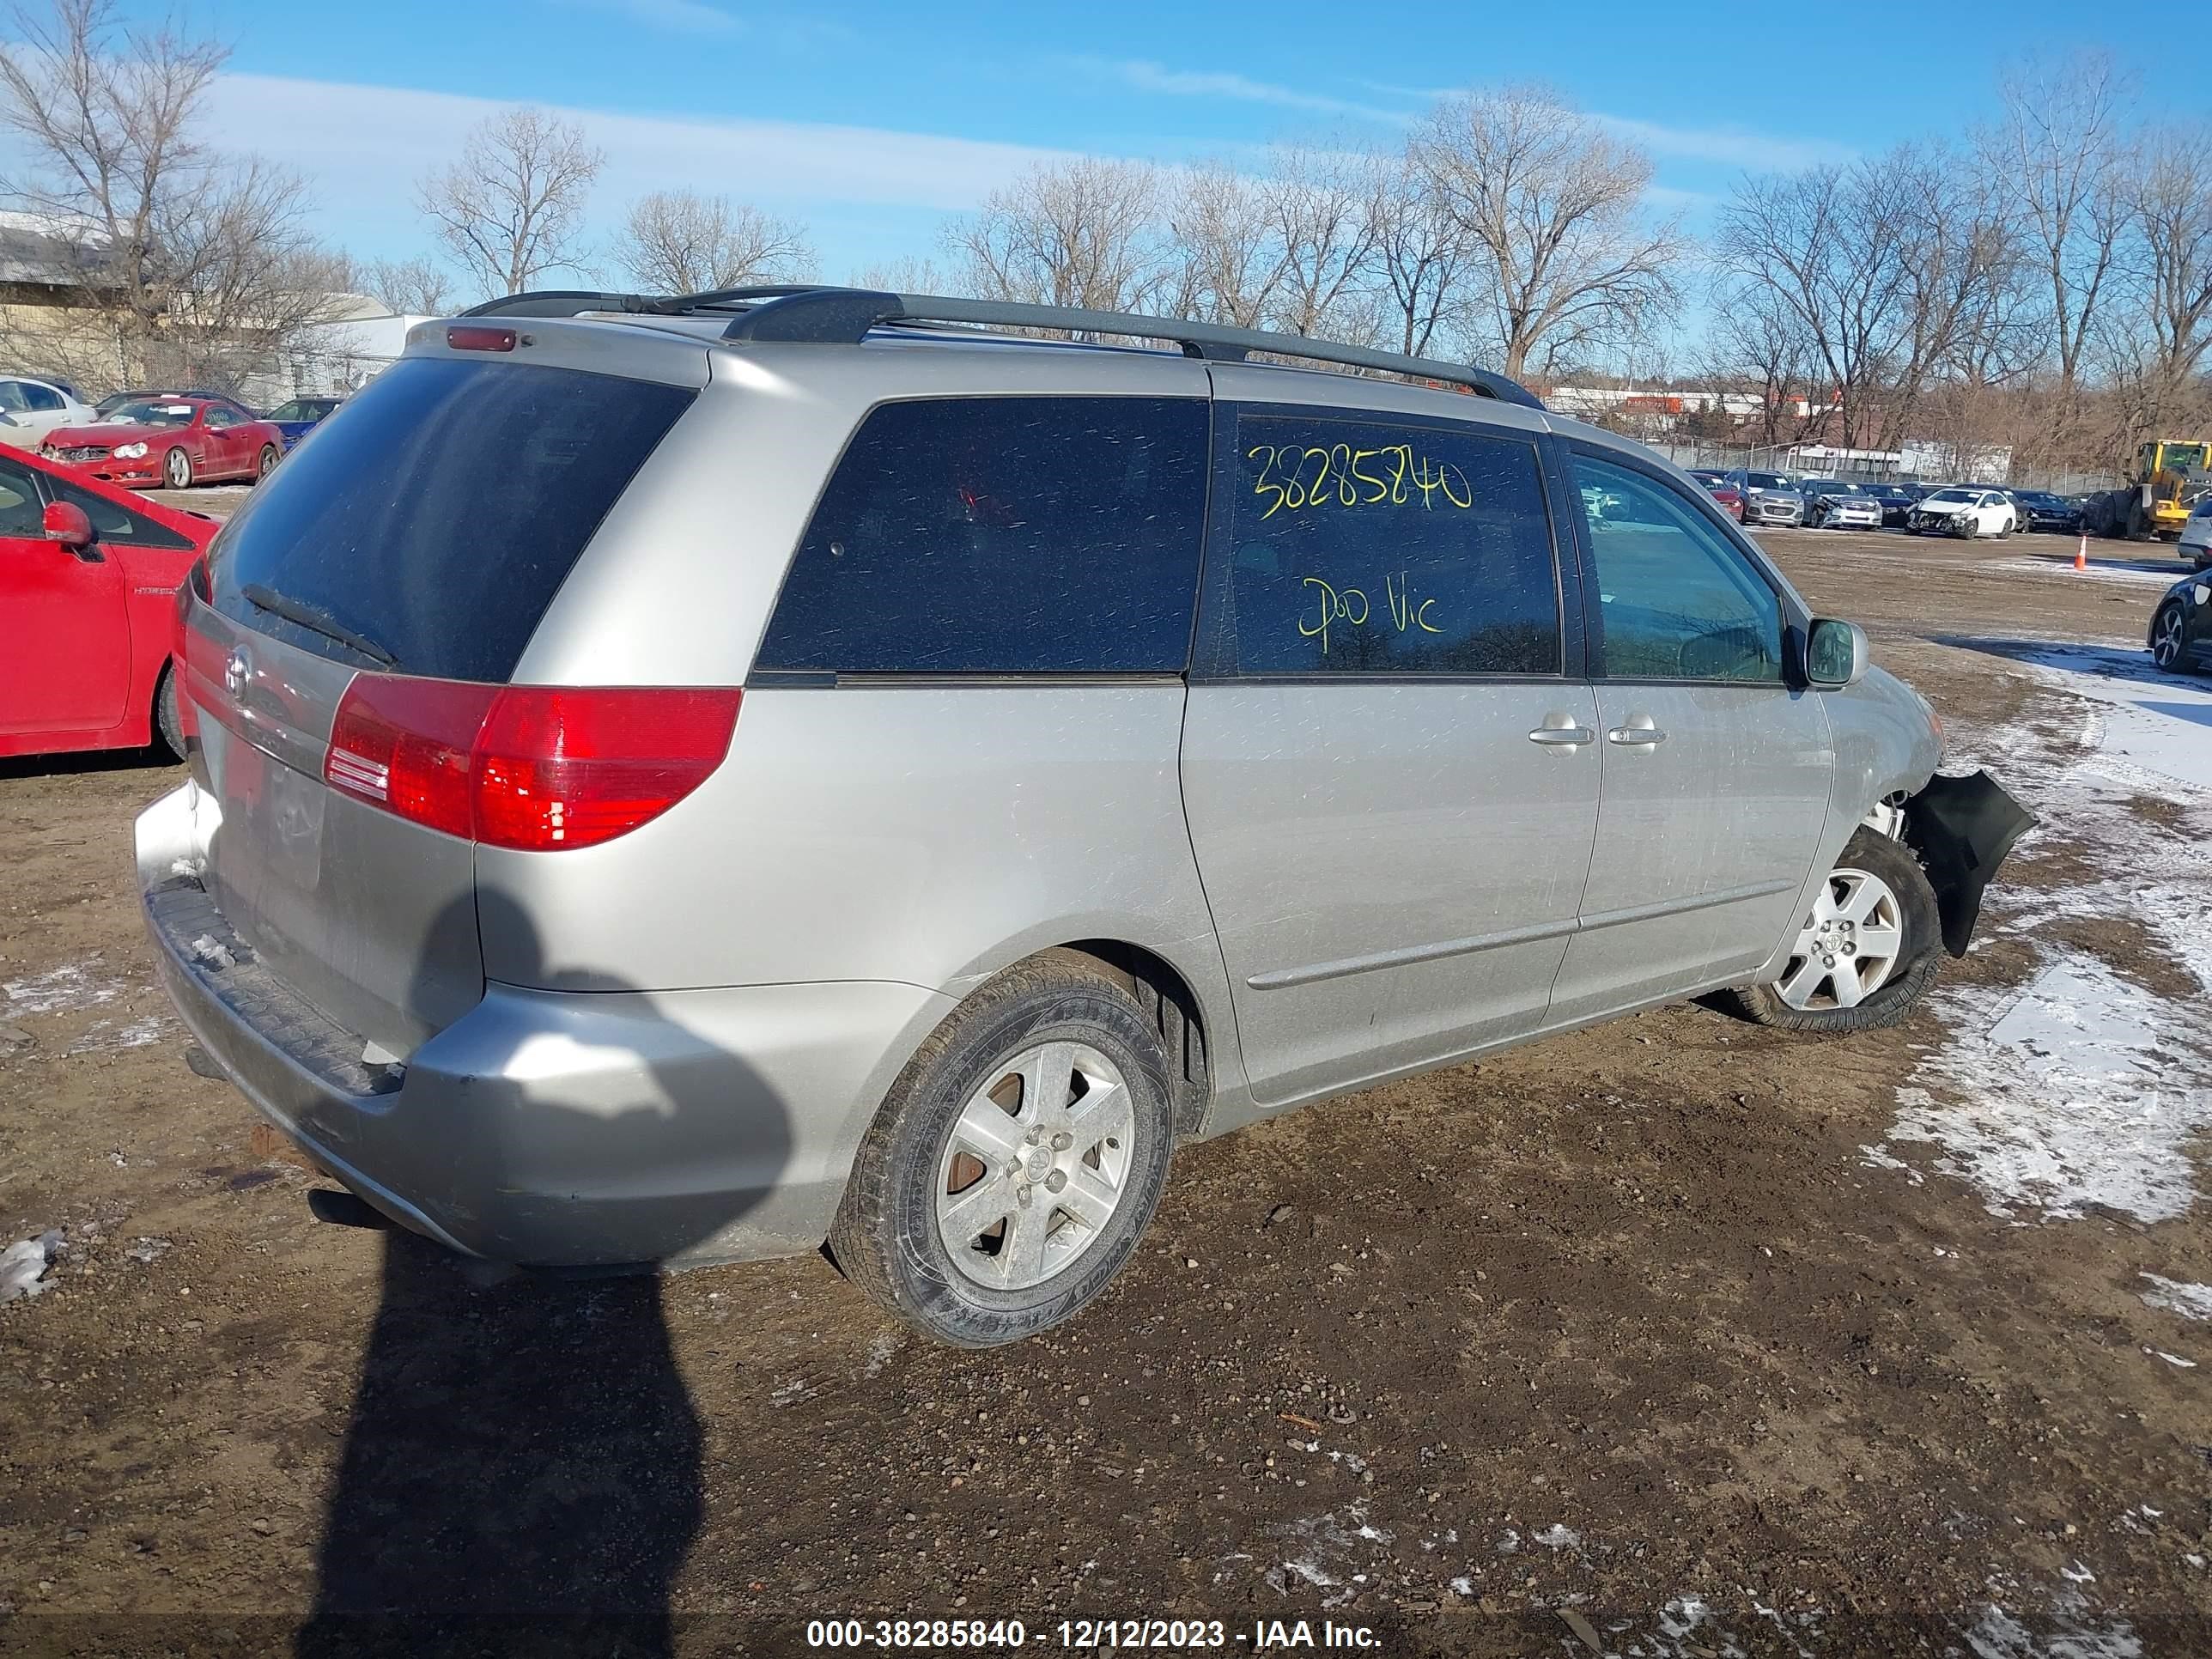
point(316, 621)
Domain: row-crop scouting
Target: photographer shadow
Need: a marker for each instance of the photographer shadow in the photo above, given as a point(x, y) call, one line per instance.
point(522, 1469)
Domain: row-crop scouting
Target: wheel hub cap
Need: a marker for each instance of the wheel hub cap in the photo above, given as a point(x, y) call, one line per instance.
point(1848, 947)
point(1034, 1166)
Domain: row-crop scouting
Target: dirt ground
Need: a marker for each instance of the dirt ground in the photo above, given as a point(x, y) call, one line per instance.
point(1676, 1336)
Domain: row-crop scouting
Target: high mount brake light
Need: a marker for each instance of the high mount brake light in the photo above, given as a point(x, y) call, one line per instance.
point(475, 337)
point(533, 768)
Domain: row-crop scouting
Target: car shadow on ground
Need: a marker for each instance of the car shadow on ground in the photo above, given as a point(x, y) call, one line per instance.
point(84, 761)
point(522, 1468)
point(2099, 661)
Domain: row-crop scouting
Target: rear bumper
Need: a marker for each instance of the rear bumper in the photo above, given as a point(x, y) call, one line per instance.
point(552, 1128)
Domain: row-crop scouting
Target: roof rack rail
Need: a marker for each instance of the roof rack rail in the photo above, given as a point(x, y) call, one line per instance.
point(810, 317)
point(828, 314)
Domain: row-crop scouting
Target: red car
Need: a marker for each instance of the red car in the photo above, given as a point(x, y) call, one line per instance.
point(89, 576)
point(173, 442)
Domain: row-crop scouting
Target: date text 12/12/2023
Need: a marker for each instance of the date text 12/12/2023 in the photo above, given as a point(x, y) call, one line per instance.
point(995, 1635)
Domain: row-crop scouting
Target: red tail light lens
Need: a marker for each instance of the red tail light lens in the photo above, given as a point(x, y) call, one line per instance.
point(536, 768)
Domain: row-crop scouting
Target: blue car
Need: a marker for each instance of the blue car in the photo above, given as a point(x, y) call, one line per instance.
point(295, 419)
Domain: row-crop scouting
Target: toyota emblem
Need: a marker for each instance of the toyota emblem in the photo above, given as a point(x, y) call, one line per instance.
point(237, 672)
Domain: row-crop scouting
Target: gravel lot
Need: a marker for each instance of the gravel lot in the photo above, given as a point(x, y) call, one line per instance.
point(1677, 1336)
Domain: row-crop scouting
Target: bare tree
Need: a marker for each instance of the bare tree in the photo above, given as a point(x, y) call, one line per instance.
point(1756, 339)
point(2060, 149)
point(1422, 253)
point(1085, 233)
point(1567, 261)
point(418, 287)
point(680, 242)
point(911, 274)
point(1321, 217)
point(510, 210)
point(2156, 338)
point(1227, 267)
point(190, 260)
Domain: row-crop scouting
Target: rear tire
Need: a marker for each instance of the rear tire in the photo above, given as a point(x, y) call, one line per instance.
point(960, 1213)
point(267, 463)
point(1871, 866)
point(169, 722)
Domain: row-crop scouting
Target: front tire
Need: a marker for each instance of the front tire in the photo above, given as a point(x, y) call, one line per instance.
point(1869, 951)
point(177, 470)
point(1014, 1164)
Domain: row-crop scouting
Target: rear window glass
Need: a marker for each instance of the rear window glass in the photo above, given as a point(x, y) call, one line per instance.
point(439, 510)
point(1361, 547)
point(1002, 536)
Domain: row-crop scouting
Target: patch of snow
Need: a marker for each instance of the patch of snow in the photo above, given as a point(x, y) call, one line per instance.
point(2066, 1094)
point(880, 1350)
point(1326, 1553)
point(105, 1036)
point(2173, 1358)
point(1998, 1635)
point(2102, 570)
point(1462, 1586)
point(2161, 721)
point(60, 991)
point(24, 1264)
point(1559, 1537)
point(2175, 1296)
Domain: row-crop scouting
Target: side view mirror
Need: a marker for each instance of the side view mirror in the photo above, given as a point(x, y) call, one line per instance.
point(1835, 653)
point(66, 523)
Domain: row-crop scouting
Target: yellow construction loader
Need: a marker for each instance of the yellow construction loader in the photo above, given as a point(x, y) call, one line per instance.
point(2169, 476)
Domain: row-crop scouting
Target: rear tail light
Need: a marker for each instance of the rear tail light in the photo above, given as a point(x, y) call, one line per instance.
point(535, 768)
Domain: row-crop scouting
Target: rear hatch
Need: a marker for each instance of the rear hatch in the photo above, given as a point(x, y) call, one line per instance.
point(378, 589)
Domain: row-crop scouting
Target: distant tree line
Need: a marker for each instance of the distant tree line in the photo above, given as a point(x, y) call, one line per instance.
point(2043, 280)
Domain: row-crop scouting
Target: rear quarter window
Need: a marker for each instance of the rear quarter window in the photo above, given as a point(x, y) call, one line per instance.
point(439, 511)
point(1002, 536)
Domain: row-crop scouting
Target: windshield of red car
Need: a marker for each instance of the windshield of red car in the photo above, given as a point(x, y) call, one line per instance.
point(150, 412)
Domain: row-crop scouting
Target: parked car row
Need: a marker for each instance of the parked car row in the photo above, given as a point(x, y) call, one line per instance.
point(1787, 499)
point(196, 436)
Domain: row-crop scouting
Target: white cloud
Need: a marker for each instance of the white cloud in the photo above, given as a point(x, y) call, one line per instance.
point(363, 147)
point(680, 16)
point(1145, 75)
point(1756, 152)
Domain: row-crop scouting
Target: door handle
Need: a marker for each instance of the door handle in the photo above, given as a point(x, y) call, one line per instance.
point(1562, 736)
point(1636, 736)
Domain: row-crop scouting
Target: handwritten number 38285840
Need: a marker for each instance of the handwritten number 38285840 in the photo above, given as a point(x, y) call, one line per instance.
point(1298, 475)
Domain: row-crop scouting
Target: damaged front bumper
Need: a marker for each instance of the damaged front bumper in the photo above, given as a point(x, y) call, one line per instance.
point(1960, 829)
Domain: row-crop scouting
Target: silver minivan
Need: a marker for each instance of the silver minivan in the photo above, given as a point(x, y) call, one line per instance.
point(676, 781)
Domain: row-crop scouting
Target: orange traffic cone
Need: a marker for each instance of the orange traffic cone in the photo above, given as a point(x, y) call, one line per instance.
point(2082, 553)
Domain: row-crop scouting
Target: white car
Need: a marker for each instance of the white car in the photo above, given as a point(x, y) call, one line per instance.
point(1965, 512)
point(2196, 544)
point(31, 408)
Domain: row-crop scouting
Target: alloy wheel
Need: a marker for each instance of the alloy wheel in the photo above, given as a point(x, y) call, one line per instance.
point(2166, 637)
point(1036, 1165)
point(1849, 946)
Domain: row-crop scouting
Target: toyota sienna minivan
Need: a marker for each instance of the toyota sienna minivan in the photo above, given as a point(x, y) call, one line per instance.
point(676, 781)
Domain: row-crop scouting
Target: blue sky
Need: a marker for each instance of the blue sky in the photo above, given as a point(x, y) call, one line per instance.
point(875, 121)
